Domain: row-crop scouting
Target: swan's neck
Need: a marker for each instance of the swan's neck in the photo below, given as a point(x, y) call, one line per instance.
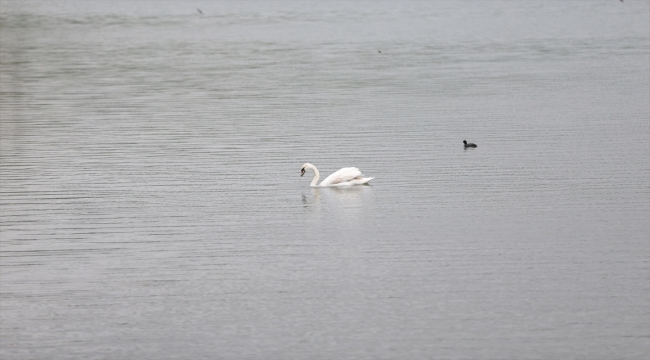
point(316, 176)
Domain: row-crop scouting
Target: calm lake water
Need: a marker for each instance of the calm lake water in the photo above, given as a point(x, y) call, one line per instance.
point(152, 205)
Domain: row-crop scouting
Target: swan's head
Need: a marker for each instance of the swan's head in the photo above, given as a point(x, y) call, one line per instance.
point(304, 168)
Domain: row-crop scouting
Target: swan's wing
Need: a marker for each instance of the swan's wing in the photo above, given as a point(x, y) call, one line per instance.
point(342, 176)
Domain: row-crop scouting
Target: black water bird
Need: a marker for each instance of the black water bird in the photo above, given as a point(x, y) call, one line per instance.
point(467, 145)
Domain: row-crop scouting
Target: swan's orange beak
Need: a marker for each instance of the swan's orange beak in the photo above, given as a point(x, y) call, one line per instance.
point(302, 172)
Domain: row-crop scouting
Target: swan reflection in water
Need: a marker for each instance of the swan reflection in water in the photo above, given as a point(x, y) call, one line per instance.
point(340, 197)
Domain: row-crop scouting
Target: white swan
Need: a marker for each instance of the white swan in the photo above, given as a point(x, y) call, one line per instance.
point(344, 177)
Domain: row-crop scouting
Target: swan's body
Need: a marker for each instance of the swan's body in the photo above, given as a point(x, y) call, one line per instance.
point(344, 177)
point(468, 145)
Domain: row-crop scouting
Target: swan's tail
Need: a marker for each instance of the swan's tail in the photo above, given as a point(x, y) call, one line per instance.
point(362, 181)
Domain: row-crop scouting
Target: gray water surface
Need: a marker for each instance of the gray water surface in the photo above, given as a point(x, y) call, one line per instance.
point(152, 208)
